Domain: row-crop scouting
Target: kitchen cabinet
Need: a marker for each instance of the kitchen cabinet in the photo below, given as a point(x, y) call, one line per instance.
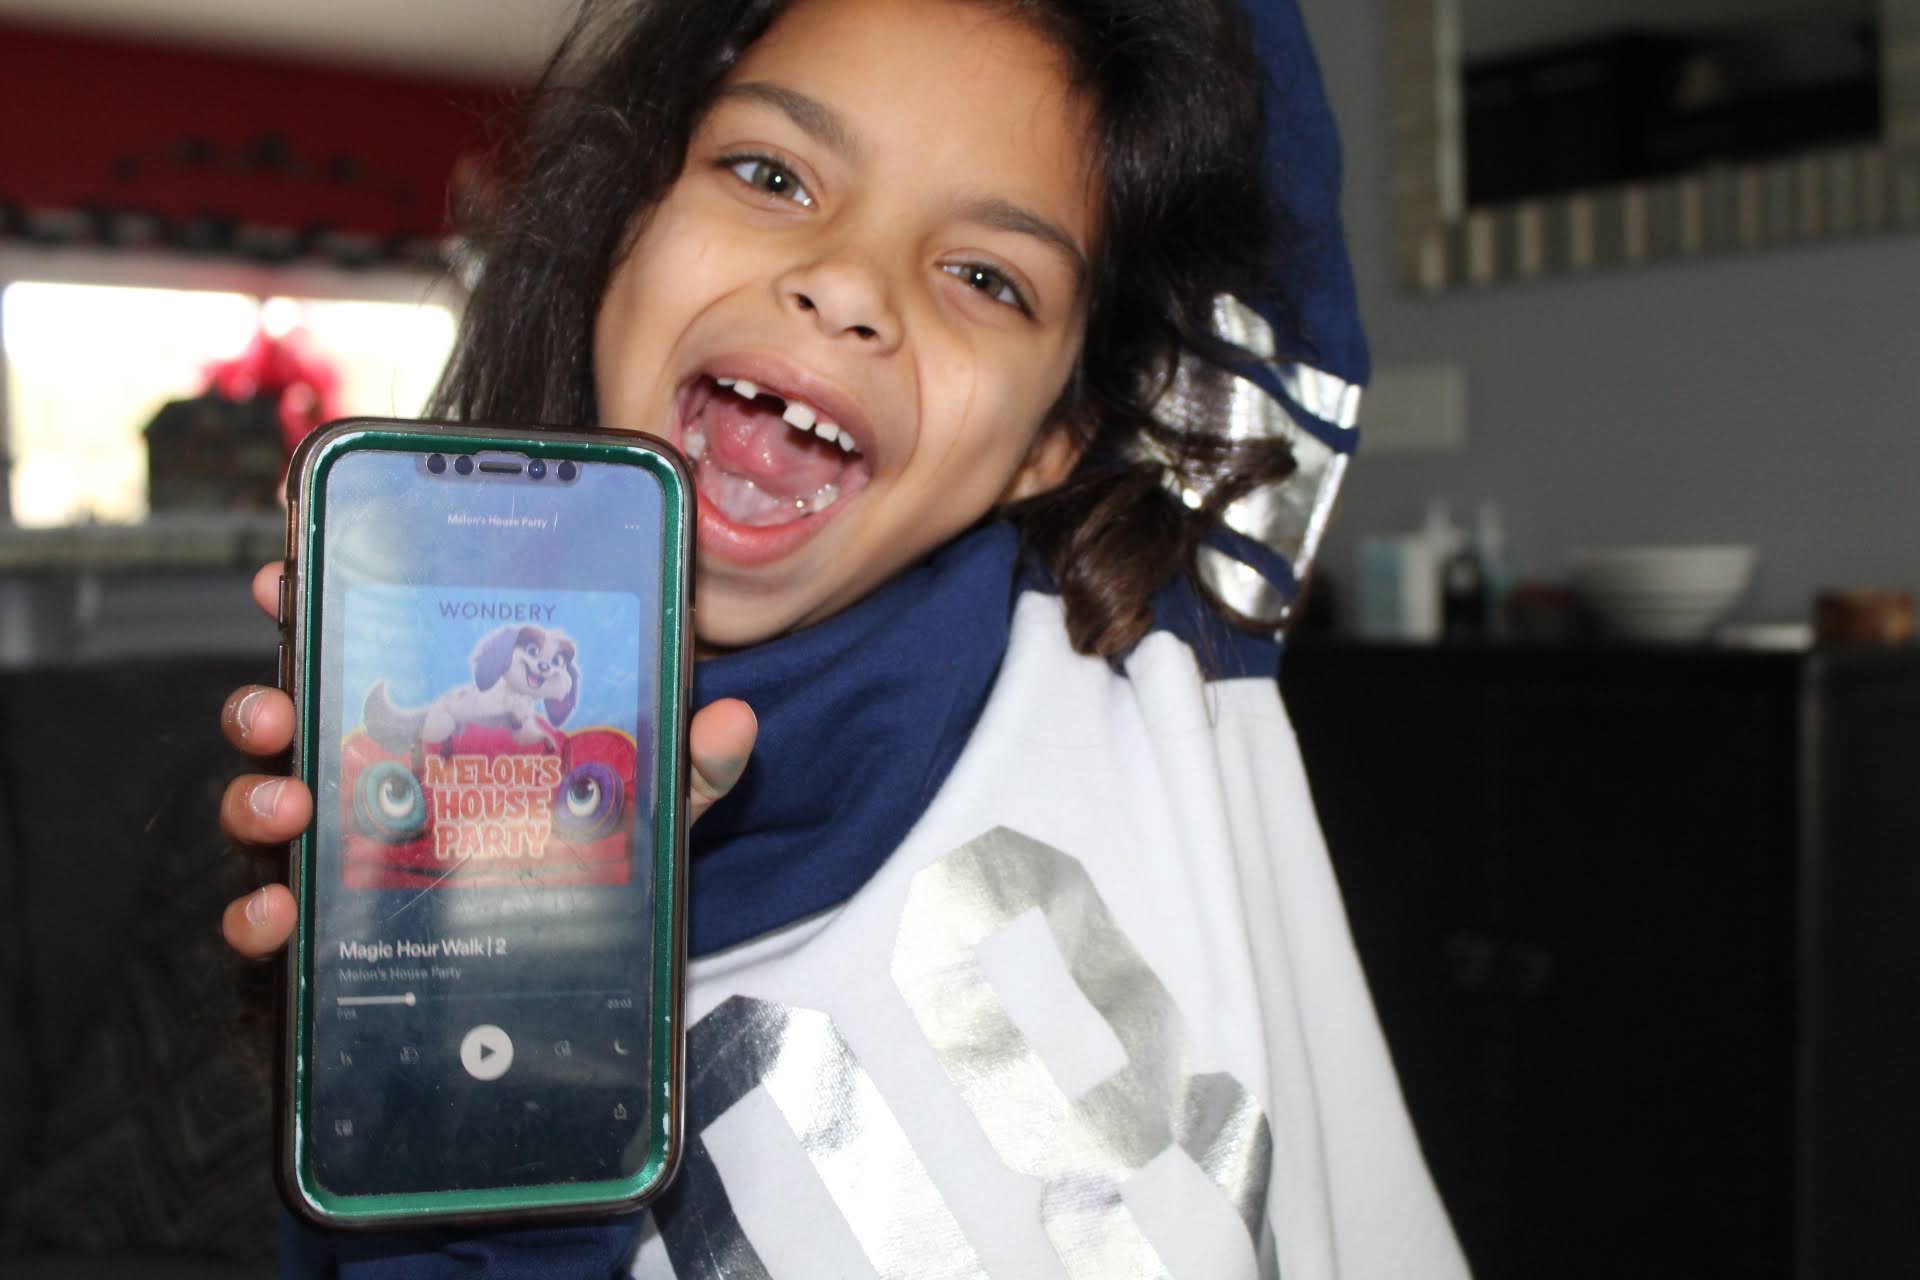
point(1641, 930)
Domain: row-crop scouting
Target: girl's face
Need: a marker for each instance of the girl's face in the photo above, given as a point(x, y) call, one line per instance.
point(882, 237)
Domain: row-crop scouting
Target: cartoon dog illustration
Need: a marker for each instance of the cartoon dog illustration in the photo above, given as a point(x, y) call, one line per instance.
point(517, 671)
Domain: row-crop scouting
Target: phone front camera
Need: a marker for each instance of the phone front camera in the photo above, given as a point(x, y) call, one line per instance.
point(566, 470)
point(463, 465)
point(436, 464)
point(536, 470)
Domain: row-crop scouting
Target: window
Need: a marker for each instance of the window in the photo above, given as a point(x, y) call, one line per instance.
point(90, 361)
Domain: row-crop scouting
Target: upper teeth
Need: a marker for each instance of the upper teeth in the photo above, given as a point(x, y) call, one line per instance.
point(798, 414)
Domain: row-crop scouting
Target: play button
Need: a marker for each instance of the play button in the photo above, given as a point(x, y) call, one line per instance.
point(486, 1052)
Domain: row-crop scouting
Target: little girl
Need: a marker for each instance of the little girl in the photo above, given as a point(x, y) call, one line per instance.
point(1017, 952)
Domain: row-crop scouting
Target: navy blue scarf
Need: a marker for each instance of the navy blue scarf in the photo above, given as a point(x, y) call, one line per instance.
point(861, 718)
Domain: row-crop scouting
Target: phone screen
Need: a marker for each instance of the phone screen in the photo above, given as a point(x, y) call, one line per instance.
point(488, 694)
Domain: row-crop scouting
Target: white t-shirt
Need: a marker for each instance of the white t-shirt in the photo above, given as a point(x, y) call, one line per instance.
point(1098, 1016)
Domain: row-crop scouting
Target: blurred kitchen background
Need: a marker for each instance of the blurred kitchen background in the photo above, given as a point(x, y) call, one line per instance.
point(1606, 681)
point(222, 223)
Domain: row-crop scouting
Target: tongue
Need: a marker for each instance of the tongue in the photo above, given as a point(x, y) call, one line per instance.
point(754, 442)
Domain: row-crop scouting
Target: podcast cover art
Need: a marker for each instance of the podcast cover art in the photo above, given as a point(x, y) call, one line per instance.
point(494, 737)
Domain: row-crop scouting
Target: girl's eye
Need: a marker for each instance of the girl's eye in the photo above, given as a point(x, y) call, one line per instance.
point(763, 174)
point(987, 280)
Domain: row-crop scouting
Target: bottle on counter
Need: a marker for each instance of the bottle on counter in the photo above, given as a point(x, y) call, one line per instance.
point(1399, 588)
point(1462, 585)
point(1490, 544)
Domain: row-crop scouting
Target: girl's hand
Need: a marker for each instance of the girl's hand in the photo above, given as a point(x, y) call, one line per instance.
point(265, 811)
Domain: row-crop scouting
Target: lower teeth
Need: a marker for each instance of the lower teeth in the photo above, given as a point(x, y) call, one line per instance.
point(744, 502)
point(826, 495)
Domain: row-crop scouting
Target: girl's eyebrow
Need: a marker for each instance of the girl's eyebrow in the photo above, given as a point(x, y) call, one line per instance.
point(814, 118)
point(826, 126)
point(1002, 215)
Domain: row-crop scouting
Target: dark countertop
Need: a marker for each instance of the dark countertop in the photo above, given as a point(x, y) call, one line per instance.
point(211, 541)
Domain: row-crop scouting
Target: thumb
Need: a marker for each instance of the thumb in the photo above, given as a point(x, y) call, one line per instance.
point(719, 740)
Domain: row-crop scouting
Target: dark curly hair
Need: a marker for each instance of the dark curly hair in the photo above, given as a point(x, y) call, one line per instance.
point(1175, 87)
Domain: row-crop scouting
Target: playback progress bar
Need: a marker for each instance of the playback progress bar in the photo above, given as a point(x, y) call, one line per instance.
point(408, 999)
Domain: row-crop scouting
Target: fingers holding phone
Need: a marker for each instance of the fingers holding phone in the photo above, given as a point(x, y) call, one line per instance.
point(719, 740)
point(258, 925)
point(261, 812)
point(258, 720)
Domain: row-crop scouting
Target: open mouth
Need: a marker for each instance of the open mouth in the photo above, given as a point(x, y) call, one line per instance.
point(764, 458)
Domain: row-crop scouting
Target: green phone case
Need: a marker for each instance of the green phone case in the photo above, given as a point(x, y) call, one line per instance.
point(300, 669)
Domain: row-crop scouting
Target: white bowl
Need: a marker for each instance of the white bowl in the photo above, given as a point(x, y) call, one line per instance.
point(1662, 593)
point(1664, 569)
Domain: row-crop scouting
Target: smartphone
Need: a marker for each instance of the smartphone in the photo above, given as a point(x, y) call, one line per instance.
point(486, 634)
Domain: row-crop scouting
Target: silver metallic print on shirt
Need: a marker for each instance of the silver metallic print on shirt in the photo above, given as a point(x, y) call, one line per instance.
point(1236, 322)
point(1083, 1148)
point(1332, 400)
point(1288, 518)
point(850, 1135)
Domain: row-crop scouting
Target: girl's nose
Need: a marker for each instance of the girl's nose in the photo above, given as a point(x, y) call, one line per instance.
point(844, 299)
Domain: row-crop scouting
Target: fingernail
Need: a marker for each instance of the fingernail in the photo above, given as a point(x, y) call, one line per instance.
point(258, 908)
point(243, 712)
point(265, 798)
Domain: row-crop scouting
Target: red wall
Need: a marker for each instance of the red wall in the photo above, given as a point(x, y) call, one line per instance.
point(91, 121)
